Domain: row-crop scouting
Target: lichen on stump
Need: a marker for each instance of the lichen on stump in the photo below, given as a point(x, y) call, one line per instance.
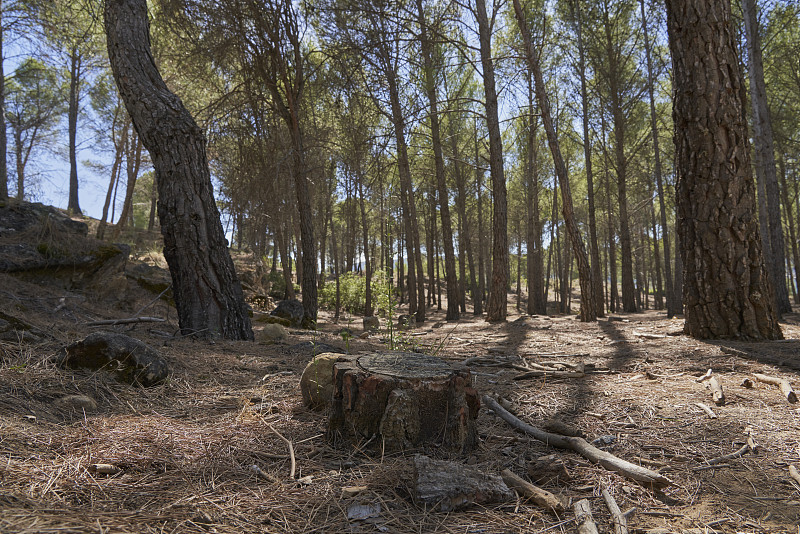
point(405, 400)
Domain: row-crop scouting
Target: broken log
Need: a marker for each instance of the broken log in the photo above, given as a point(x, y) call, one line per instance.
point(786, 387)
point(717, 395)
point(450, 486)
point(550, 374)
point(404, 400)
point(540, 496)
point(129, 320)
point(583, 517)
point(617, 517)
point(584, 448)
point(706, 409)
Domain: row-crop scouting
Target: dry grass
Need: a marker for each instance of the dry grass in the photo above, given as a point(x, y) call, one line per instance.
point(186, 448)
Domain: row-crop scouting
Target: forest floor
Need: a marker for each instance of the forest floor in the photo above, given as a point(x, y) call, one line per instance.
point(185, 449)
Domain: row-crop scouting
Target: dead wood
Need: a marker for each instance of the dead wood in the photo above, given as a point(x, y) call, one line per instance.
point(619, 521)
point(291, 449)
point(706, 408)
point(717, 395)
point(129, 320)
point(794, 474)
point(786, 387)
point(540, 496)
point(550, 374)
point(583, 517)
point(749, 446)
point(582, 447)
point(705, 376)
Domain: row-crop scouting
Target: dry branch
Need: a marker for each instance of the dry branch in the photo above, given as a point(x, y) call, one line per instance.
point(706, 408)
point(582, 447)
point(291, 449)
point(617, 518)
point(717, 395)
point(542, 497)
point(550, 374)
point(786, 387)
point(794, 474)
point(583, 517)
point(129, 320)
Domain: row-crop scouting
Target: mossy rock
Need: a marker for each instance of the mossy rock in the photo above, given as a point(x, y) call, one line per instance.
point(273, 319)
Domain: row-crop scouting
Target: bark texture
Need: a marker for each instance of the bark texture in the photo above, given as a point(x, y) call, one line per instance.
point(727, 293)
point(207, 293)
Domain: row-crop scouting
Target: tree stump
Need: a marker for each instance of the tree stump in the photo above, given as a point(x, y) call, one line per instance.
point(404, 400)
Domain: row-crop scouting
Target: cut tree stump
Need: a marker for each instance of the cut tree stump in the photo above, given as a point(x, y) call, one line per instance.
point(403, 400)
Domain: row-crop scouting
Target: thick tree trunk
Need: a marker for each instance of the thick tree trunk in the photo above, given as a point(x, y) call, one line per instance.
point(727, 293)
point(588, 302)
point(207, 293)
point(537, 301)
point(497, 307)
point(673, 307)
point(73, 206)
point(765, 159)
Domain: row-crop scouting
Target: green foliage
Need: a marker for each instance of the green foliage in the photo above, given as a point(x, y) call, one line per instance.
point(353, 288)
point(277, 285)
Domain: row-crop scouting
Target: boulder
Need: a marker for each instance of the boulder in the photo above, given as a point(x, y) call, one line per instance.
point(77, 403)
point(371, 323)
point(271, 333)
point(129, 359)
point(151, 277)
point(291, 310)
point(407, 321)
point(316, 347)
point(316, 383)
point(273, 319)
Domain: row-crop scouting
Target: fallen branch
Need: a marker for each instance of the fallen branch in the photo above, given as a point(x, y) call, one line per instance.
point(583, 517)
point(706, 408)
point(794, 474)
point(130, 320)
point(717, 395)
point(550, 374)
point(704, 377)
point(542, 497)
point(750, 445)
point(582, 447)
point(786, 387)
point(291, 448)
point(617, 518)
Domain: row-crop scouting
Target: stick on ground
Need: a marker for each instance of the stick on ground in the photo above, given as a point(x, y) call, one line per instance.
point(617, 518)
point(542, 497)
point(583, 517)
point(291, 449)
point(582, 447)
point(786, 387)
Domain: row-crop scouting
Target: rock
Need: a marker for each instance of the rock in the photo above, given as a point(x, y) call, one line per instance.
point(548, 470)
point(151, 277)
point(316, 347)
point(76, 402)
point(371, 323)
point(316, 383)
point(349, 492)
point(407, 321)
point(271, 333)
point(450, 486)
point(272, 319)
point(291, 310)
point(129, 359)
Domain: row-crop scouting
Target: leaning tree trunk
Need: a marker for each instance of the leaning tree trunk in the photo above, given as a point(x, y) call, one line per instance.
point(588, 301)
point(497, 307)
point(727, 293)
point(207, 293)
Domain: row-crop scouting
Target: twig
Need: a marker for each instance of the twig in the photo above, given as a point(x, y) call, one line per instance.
point(786, 387)
point(129, 320)
point(706, 408)
point(550, 374)
point(618, 519)
point(291, 448)
point(704, 377)
point(542, 497)
point(582, 447)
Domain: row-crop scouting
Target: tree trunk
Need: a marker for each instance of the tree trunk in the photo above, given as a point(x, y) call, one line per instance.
point(672, 306)
point(208, 295)
point(765, 157)
point(151, 220)
point(537, 301)
point(497, 307)
point(727, 293)
point(596, 269)
point(3, 138)
point(479, 300)
point(115, 172)
point(659, 301)
point(365, 237)
point(790, 223)
point(588, 311)
point(73, 206)
point(133, 159)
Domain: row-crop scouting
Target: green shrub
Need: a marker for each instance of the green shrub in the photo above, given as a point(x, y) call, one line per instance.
point(353, 289)
point(277, 285)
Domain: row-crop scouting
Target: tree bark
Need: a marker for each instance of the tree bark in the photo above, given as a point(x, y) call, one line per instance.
point(479, 300)
point(3, 137)
point(73, 206)
point(208, 295)
point(790, 224)
point(497, 306)
point(365, 237)
point(727, 293)
point(588, 302)
point(537, 301)
point(765, 157)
